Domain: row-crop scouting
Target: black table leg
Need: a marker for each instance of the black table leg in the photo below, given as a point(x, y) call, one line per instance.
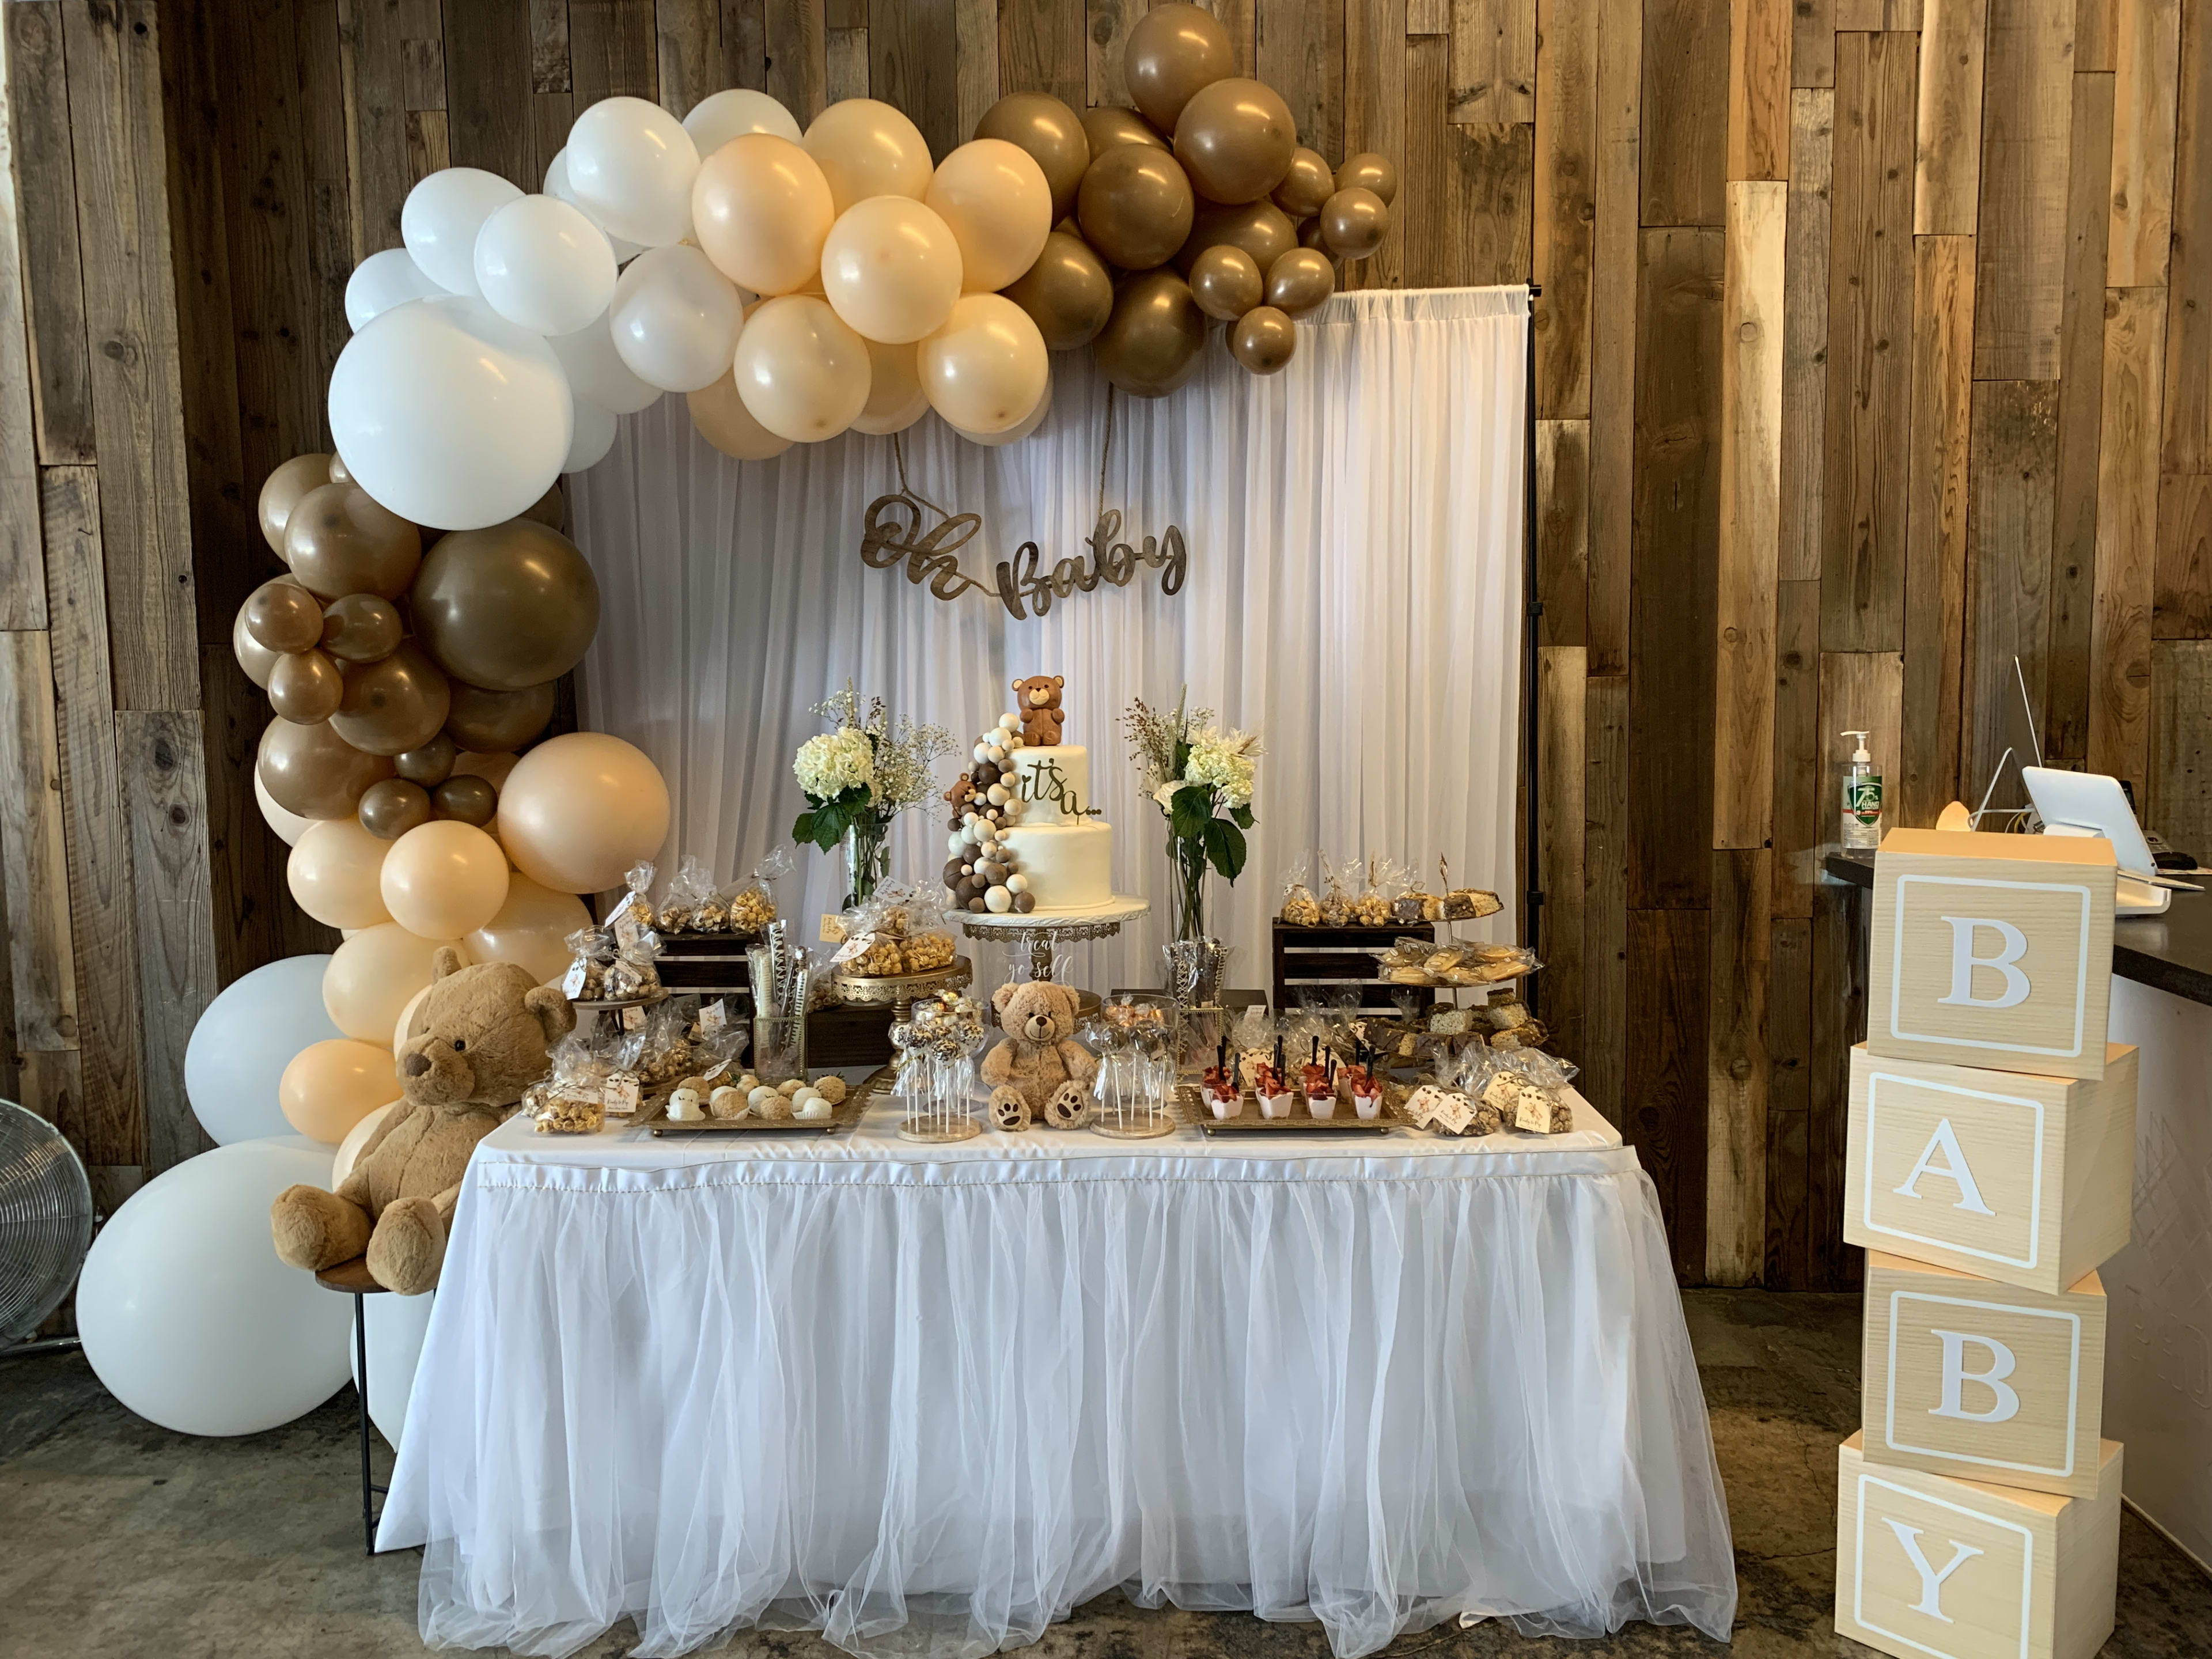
point(370, 1514)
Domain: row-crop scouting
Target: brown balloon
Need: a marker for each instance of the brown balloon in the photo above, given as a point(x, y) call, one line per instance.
point(549, 509)
point(1306, 185)
point(1174, 52)
point(1066, 292)
point(1299, 280)
point(1354, 223)
point(1135, 207)
point(361, 627)
point(472, 800)
point(341, 540)
point(312, 771)
point(255, 658)
point(1226, 282)
point(429, 765)
point(339, 471)
point(507, 607)
point(390, 809)
point(1151, 344)
point(281, 490)
point(1309, 233)
point(305, 686)
point(1053, 135)
point(1370, 172)
point(1103, 128)
point(1261, 228)
point(485, 722)
point(395, 705)
point(1236, 139)
point(282, 616)
point(1263, 340)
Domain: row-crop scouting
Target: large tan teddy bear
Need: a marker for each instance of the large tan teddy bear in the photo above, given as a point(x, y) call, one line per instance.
point(1037, 1069)
point(486, 1030)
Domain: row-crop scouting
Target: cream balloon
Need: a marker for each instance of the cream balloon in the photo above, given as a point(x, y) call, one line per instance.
point(373, 976)
point(594, 437)
point(763, 211)
point(556, 185)
point(631, 166)
point(723, 421)
point(287, 827)
point(596, 371)
point(542, 265)
point(891, 268)
point(382, 281)
point(675, 319)
point(356, 1142)
point(1021, 429)
point(719, 117)
point(865, 147)
point(530, 929)
point(441, 218)
point(801, 372)
point(443, 879)
point(894, 396)
point(579, 809)
point(330, 1086)
point(999, 204)
point(334, 872)
point(985, 369)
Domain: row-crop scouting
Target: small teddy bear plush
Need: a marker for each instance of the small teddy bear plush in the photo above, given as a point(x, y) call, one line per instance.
point(1037, 1062)
point(1038, 697)
point(486, 1032)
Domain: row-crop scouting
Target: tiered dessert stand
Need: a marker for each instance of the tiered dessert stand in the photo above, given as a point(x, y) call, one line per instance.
point(1044, 931)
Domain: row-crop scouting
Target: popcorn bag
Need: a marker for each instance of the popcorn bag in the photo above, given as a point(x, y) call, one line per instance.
point(1299, 908)
point(633, 976)
point(634, 909)
point(571, 1101)
point(591, 951)
point(690, 905)
point(899, 930)
point(1336, 902)
point(749, 905)
point(1376, 905)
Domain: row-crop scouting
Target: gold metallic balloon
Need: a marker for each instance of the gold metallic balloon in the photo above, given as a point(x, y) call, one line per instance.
point(1261, 228)
point(1263, 340)
point(1066, 292)
point(1151, 344)
point(361, 627)
point(1174, 52)
point(395, 705)
point(1135, 207)
point(549, 508)
point(1354, 223)
point(1053, 135)
point(1236, 139)
point(1226, 282)
point(507, 607)
point(1300, 280)
point(1106, 127)
point(341, 540)
point(255, 658)
point(390, 809)
point(305, 686)
point(429, 765)
point(281, 490)
point(1310, 232)
point(282, 616)
point(485, 722)
point(472, 800)
point(1368, 171)
point(313, 773)
point(1306, 185)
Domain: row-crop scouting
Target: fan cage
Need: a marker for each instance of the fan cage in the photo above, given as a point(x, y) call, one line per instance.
point(45, 1220)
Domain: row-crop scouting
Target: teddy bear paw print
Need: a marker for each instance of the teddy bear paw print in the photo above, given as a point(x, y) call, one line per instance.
point(1009, 1111)
point(1065, 1110)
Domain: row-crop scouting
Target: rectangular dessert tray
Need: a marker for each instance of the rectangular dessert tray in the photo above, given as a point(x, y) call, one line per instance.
point(1191, 1109)
point(858, 1098)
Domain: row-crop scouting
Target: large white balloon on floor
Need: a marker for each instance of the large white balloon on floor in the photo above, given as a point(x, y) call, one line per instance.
point(356, 1141)
point(545, 266)
point(242, 1044)
point(393, 1326)
point(439, 221)
point(630, 164)
point(383, 281)
point(187, 1315)
point(449, 415)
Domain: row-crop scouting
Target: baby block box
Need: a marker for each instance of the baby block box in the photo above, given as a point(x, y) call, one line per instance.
point(1992, 950)
point(2009, 1175)
point(1932, 1567)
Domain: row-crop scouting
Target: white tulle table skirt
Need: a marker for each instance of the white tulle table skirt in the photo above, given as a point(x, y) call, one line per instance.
point(928, 1402)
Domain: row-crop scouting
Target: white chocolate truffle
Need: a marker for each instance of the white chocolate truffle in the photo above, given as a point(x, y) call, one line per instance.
point(684, 1107)
point(998, 901)
point(814, 1109)
point(760, 1095)
point(996, 794)
point(1018, 883)
point(1009, 722)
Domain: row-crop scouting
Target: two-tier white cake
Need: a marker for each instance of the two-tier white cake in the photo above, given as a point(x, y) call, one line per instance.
point(1060, 843)
point(1024, 838)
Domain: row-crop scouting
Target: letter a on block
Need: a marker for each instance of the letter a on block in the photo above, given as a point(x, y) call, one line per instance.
point(2013, 946)
point(2004, 1404)
point(1931, 1582)
point(1954, 1168)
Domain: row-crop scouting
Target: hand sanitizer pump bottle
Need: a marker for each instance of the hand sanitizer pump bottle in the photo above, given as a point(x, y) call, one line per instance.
point(1862, 797)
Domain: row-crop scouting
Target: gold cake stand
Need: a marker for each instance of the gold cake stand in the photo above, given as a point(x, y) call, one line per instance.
point(897, 992)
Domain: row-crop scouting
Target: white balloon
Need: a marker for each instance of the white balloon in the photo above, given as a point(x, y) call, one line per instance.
point(383, 281)
point(675, 319)
point(288, 826)
point(356, 1138)
point(596, 374)
point(556, 185)
point(544, 265)
point(441, 217)
point(241, 1044)
point(714, 121)
point(630, 164)
point(595, 436)
point(187, 1315)
point(393, 1327)
point(451, 416)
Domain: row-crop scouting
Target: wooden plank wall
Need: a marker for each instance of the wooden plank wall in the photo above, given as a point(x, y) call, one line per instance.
point(1873, 351)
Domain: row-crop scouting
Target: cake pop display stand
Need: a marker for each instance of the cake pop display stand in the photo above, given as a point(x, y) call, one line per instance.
point(1042, 931)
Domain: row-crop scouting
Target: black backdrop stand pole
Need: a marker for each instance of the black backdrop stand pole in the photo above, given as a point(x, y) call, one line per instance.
point(1531, 625)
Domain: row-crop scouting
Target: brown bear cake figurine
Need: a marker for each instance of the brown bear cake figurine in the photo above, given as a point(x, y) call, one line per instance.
point(1039, 697)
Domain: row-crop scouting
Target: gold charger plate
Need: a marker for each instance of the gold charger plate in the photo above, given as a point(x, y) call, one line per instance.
point(1192, 1109)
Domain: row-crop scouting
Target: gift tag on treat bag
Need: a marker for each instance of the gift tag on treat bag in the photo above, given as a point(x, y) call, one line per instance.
point(620, 1096)
point(633, 1019)
point(713, 1018)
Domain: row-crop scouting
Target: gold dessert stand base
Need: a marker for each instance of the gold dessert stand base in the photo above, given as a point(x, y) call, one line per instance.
point(897, 992)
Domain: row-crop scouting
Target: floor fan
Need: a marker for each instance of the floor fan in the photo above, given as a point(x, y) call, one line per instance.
point(46, 1225)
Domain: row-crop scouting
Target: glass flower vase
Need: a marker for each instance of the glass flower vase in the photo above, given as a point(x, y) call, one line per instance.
point(867, 859)
point(1187, 888)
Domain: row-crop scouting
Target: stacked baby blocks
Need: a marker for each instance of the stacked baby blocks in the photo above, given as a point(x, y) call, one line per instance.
point(1988, 1163)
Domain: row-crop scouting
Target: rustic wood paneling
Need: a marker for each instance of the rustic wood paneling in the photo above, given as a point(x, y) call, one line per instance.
point(371, 57)
point(1923, 774)
point(2185, 547)
point(1669, 954)
point(2179, 800)
point(1686, 112)
point(611, 50)
point(1494, 59)
point(2026, 124)
point(2009, 518)
point(22, 592)
point(1805, 331)
point(2145, 85)
point(793, 58)
point(1948, 174)
point(2127, 534)
point(1040, 50)
point(913, 47)
point(1737, 1069)
point(1759, 89)
point(1374, 111)
point(488, 121)
point(1788, 1095)
point(1838, 1019)
point(41, 954)
point(1300, 47)
point(163, 769)
point(1605, 896)
point(43, 244)
point(1612, 331)
point(1563, 530)
point(1813, 43)
point(1801, 792)
point(1565, 201)
point(1560, 695)
point(2188, 418)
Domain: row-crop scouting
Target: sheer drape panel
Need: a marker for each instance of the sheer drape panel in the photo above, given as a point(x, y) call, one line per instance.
point(1354, 526)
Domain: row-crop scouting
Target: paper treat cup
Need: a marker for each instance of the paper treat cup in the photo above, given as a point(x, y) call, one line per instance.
point(1321, 1105)
point(1222, 1105)
point(1275, 1105)
point(1368, 1106)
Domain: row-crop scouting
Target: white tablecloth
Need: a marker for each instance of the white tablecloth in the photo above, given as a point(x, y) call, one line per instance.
point(927, 1399)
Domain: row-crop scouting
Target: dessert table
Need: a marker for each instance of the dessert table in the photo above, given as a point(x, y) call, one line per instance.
point(928, 1399)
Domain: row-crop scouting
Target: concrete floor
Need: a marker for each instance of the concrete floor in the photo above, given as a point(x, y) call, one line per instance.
point(122, 1541)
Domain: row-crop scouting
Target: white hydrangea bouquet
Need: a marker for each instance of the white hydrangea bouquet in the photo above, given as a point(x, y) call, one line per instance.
point(857, 778)
point(1201, 779)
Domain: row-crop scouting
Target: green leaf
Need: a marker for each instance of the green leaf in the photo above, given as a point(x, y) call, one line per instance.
point(1224, 848)
point(1181, 758)
point(851, 800)
point(1241, 816)
point(802, 829)
point(1188, 811)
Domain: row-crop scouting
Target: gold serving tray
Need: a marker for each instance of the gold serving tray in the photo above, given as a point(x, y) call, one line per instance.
point(1191, 1109)
point(849, 1111)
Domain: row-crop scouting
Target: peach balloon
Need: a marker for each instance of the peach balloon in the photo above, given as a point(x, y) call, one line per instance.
point(373, 976)
point(997, 203)
point(356, 1139)
point(895, 396)
point(985, 369)
point(723, 421)
point(865, 147)
point(334, 873)
point(761, 209)
point(579, 810)
point(1021, 429)
point(287, 827)
point(444, 878)
point(800, 370)
point(891, 268)
point(330, 1085)
point(530, 929)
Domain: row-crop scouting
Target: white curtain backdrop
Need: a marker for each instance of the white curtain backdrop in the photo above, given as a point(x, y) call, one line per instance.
point(1354, 593)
